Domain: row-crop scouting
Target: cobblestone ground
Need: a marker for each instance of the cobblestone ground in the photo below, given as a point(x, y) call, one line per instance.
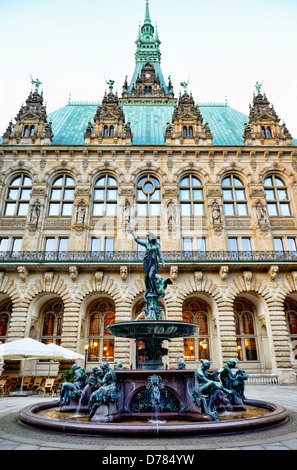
point(14, 436)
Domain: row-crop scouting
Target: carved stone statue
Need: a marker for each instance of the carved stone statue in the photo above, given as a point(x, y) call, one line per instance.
point(73, 390)
point(35, 213)
point(81, 213)
point(107, 392)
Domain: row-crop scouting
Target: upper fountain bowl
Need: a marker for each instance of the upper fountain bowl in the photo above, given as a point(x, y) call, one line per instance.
point(161, 329)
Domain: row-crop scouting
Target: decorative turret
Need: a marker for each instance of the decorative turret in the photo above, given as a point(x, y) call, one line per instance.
point(187, 124)
point(148, 83)
point(264, 126)
point(109, 123)
point(31, 127)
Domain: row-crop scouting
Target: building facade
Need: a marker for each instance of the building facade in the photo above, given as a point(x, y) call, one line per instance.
point(217, 187)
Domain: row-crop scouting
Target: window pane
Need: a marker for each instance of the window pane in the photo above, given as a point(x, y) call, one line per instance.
point(27, 181)
point(25, 195)
point(291, 244)
point(237, 182)
point(69, 182)
point(196, 182)
point(198, 195)
point(63, 244)
point(278, 244)
point(99, 194)
point(198, 209)
point(58, 182)
point(250, 349)
point(13, 194)
point(101, 182)
point(285, 209)
point(69, 194)
point(109, 244)
point(187, 244)
point(227, 195)
point(185, 195)
point(10, 209)
point(112, 194)
point(23, 209)
point(142, 209)
point(233, 245)
point(111, 209)
point(246, 244)
point(16, 182)
point(229, 209)
point(112, 182)
point(95, 244)
point(155, 210)
point(141, 196)
point(282, 194)
point(270, 196)
point(50, 244)
point(185, 182)
point(54, 209)
point(93, 351)
point(189, 351)
point(268, 182)
point(272, 209)
point(156, 196)
point(17, 244)
point(56, 194)
point(226, 182)
point(201, 245)
point(240, 195)
point(4, 244)
point(67, 209)
point(108, 350)
point(185, 210)
point(278, 182)
point(242, 209)
point(98, 209)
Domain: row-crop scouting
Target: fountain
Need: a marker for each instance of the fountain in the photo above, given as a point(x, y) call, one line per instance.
point(154, 400)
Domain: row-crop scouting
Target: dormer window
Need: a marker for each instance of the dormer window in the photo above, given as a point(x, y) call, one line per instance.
point(26, 131)
point(263, 131)
point(32, 131)
point(185, 132)
point(105, 133)
point(269, 132)
point(111, 131)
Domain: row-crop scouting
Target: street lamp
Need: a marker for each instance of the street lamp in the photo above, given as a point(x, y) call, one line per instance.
point(86, 352)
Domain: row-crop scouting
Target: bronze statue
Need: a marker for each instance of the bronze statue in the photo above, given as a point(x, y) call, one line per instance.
point(234, 382)
point(75, 389)
point(107, 392)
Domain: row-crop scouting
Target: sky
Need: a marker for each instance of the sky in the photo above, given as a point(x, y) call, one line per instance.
point(222, 46)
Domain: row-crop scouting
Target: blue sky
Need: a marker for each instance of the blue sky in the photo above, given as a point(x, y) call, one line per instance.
point(223, 46)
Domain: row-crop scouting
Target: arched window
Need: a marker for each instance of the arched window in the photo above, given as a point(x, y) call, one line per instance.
point(277, 199)
point(52, 323)
point(234, 197)
point(111, 131)
point(101, 343)
point(105, 196)
point(18, 196)
point(148, 196)
point(263, 131)
point(62, 197)
point(105, 132)
point(32, 128)
point(196, 311)
point(26, 131)
point(291, 316)
point(185, 131)
point(191, 134)
point(269, 132)
point(245, 331)
point(191, 196)
point(5, 315)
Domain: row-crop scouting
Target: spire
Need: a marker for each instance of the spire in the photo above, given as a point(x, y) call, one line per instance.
point(147, 19)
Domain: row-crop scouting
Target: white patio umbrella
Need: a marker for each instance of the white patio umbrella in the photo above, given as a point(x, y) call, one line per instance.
point(27, 349)
point(62, 353)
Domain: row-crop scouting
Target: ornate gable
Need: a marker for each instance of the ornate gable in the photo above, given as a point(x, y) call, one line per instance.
point(109, 124)
point(264, 126)
point(187, 124)
point(31, 127)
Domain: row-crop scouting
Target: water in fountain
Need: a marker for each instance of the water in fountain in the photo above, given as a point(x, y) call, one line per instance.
point(77, 413)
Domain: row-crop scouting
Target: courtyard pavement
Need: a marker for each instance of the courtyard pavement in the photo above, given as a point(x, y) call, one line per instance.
point(14, 436)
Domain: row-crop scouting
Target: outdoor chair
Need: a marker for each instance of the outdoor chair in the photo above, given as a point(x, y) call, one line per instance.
point(27, 383)
point(48, 386)
point(4, 387)
point(37, 383)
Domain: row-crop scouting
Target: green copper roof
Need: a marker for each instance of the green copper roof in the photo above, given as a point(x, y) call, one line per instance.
point(148, 123)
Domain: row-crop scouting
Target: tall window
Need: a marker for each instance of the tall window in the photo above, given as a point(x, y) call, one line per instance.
point(291, 316)
point(62, 197)
point(245, 331)
point(234, 197)
point(101, 343)
point(191, 196)
point(52, 323)
point(105, 196)
point(196, 348)
point(148, 197)
point(18, 196)
point(5, 314)
point(277, 199)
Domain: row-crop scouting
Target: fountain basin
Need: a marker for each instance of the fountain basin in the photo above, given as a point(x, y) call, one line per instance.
point(275, 416)
point(163, 330)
